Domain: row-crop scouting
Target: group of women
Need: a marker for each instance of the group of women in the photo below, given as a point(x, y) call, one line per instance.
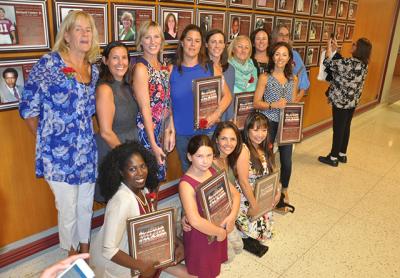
point(142, 115)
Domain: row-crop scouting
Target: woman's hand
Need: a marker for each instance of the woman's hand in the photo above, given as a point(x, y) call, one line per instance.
point(281, 103)
point(228, 223)
point(212, 119)
point(169, 140)
point(253, 210)
point(185, 224)
point(159, 154)
point(221, 235)
point(54, 270)
point(147, 269)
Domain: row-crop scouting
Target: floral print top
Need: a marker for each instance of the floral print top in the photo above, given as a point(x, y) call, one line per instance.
point(348, 77)
point(65, 145)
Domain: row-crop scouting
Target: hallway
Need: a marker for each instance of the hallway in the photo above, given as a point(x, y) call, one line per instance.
point(346, 219)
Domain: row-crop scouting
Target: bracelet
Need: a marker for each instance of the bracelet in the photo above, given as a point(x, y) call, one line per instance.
point(269, 105)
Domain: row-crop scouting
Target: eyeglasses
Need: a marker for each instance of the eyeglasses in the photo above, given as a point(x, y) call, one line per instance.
point(283, 35)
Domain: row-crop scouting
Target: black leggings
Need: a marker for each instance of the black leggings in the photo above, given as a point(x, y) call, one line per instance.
point(341, 129)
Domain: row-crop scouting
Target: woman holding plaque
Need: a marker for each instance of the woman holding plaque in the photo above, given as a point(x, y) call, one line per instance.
point(348, 77)
point(127, 175)
point(191, 65)
point(203, 259)
point(151, 88)
point(58, 103)
point(239, 52)
point(274, 90)
point(218, 59)
point(116, 108)
point(260, 42)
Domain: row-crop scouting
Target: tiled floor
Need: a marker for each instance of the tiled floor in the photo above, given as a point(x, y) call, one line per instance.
point(346, 222)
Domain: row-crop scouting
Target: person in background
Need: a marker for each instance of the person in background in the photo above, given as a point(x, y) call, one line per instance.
point(127, 32)
point(235, 28)
point(281, 34)
point(274, 90)
point(203, 259)
point(346, 85)
point(239, 52)
point(10, 91)
point(126, 177)
point(58, 103)
point(218, 59)
point(191, 65)
point(7, 30)
point(116, 108)
point(170, 27)
point(260, 42)
point(150, 83)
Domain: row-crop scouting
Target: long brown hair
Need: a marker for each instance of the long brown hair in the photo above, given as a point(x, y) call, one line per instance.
point(288, 71)
point(363, 50)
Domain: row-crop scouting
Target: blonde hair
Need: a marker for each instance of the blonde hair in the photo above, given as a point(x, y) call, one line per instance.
point(235, 42)
point(128, 16)
point(143, 29)
point(67, 24)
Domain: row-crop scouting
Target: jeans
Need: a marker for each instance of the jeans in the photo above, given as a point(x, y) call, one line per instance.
point(285, 155)
point(341, 129)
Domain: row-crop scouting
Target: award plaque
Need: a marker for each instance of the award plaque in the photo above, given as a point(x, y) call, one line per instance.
point(214, 195)
point(291, 124)
point(243, 106)
point(264, 193)
point(152, 237)
point(207, 95)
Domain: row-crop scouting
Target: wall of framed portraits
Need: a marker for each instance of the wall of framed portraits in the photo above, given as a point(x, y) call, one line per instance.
point(28, 29)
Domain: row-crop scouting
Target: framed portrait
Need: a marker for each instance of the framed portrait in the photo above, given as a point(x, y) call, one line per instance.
point(284, 21)
point(317, 7)
point(268, 5)
point(16, 74)
point(315, 32)
point(97, 10)
point(312, 55)
point(286, 6)
point(241, 3)
point(300, 30)
point(169, 56)
point(208, 20)
point(352, 10)
point(301, 49)
point(328, 30)
point(340, 31)
point(212, 2)
point(331, 8)
point(303, 7)
point(23, 25)
point(264, 21)
point(238, 24)
point(127, 20)
point(343, 9)
point(173, 21)
point(348, 35)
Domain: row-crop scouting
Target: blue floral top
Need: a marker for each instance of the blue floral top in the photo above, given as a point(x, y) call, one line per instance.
point(65, 145)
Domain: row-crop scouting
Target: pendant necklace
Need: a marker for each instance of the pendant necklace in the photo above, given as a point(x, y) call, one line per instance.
point(144, 204)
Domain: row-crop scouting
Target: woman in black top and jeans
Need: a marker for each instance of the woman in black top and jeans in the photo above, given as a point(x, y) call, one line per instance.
point(348, 76)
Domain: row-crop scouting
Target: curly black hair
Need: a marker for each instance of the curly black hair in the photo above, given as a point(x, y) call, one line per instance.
point(110, 169)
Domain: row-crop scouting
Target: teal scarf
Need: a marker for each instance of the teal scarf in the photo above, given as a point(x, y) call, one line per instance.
point(245, 74)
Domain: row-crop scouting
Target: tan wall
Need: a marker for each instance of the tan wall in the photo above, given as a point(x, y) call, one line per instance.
point(27, 204)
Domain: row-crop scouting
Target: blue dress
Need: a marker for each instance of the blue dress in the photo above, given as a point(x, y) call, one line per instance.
point(65, 145)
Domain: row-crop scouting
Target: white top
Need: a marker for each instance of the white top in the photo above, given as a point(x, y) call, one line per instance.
point(112, 236)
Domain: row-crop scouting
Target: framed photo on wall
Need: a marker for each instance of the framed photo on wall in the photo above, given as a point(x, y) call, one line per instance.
point(23, 25)
point(169, 56)
point(339, 31)
point(268, 5)
point(187, 1)
point(208, 20)
point(127, 20)
point(312, 55)
point(328, 30)
point(300, 30)
point(97, 10)
point(352, 10)
point(15, 73)
point(301, 49)
point(241, 3)
point(212, 2)
point(286, 6)
point(303, 7)
point(331, 8)
point(343, 9)
point(348, 35)
point(173, 21)
point(315, 32)
point(284, 21)
point(264, 21)
point(238, 24)
point(317, 7)
point(133, 56)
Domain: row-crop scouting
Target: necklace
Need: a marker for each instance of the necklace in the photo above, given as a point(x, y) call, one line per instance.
point(144, 204)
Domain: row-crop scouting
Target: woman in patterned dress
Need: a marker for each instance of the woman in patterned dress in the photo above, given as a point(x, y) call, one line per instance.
point(150, 84)
point(58, 103)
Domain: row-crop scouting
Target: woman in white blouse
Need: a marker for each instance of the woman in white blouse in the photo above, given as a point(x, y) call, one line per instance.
point(127, 173)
